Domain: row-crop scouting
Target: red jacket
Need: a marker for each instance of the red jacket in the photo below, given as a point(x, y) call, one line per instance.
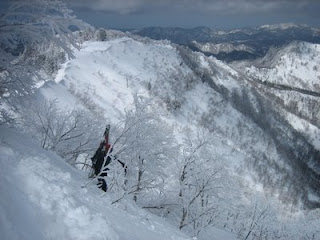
point(106, 144)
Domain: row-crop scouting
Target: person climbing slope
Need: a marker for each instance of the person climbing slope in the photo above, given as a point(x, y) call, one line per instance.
point(101, 160)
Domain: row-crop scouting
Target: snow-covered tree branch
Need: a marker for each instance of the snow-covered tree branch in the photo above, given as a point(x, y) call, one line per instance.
point(71, 134)
point(145, 145)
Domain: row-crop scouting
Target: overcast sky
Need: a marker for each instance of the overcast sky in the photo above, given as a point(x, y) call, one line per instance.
point(193, 13)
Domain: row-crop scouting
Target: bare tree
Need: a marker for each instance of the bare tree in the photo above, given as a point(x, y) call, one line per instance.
point(38, 21)
point(145, 144)
point(198, 182)
point(70, 134)
point(24, 28)
point(256, 219)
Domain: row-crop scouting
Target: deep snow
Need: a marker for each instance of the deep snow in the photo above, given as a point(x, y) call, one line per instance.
point(42, 198)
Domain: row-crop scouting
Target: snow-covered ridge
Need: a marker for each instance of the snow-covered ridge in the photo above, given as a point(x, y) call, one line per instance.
point(295, 65)
point(222, 47)
point(117, 69)
point(281, 26)
point(292, 74)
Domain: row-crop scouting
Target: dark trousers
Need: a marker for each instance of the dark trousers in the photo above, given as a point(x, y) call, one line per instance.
point(102, 182)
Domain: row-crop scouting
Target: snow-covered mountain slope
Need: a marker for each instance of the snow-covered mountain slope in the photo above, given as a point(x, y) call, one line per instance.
point(198, 90)
point(292, 76)
point(105, 76)
point(296, 65)
point(110, 72)
point(42, 198)
point(257, 151)
point(102, 78)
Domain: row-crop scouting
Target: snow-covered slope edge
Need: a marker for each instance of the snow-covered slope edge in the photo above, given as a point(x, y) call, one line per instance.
point(42, 198)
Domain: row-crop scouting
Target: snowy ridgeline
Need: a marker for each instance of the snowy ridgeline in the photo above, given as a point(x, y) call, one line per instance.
point(103, 79)
point(222, 47)
point(42, 198)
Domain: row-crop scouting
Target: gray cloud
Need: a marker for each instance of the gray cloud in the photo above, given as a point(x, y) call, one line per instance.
point(205, 6)
point(192, 13)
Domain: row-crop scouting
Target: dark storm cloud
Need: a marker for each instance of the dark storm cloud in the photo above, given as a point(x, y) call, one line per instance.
point(205, 6)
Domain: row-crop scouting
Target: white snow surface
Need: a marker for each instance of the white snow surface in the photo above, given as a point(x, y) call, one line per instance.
point(107, 74)
point(42, 198)
point(295, 65)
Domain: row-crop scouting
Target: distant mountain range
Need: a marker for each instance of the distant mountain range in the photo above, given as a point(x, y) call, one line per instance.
point(236, 44)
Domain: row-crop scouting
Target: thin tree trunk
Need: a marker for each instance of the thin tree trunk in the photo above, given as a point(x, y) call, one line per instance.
point(138, 188)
